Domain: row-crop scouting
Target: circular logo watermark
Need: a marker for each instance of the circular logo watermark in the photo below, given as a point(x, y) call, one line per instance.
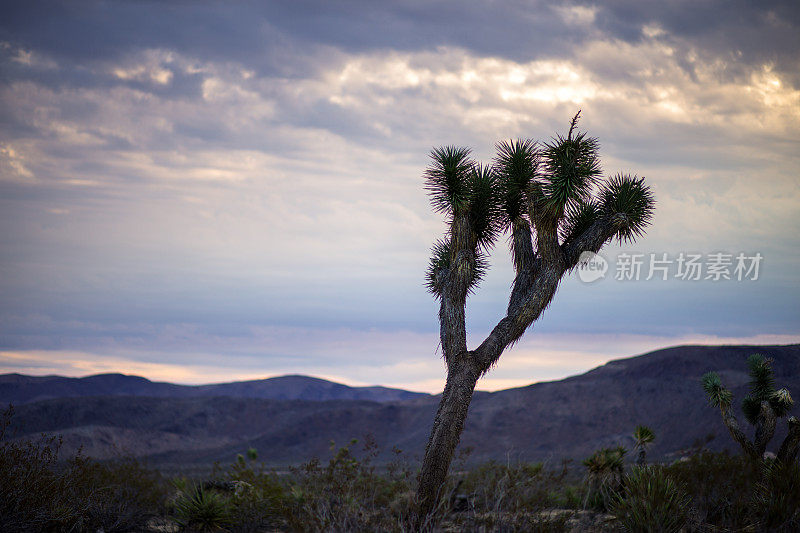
point(591, 267)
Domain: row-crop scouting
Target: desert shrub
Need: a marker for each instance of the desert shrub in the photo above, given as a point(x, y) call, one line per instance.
point(121, 495)
point(505, 522)
point(347, 494)
point(605, 469)
point(40, 492)
point(720, 486)
point(33, 496)
point(651, 501)
point(244, 497)
point(776, 501)
point(258, 496)
point(199, 509)
point(567, 496)
point(511, 487)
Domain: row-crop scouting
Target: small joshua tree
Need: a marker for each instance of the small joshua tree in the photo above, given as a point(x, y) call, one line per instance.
point(762, 407)
point(643, 436)
point(556, 206)
point(605, 468)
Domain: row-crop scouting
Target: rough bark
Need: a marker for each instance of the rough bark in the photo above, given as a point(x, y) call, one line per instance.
point(445, 435)
point(642, 458)
point(738, 435)
point(765, 428)
point(791, 444)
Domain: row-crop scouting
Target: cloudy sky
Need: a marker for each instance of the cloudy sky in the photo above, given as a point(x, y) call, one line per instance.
point(207, 191)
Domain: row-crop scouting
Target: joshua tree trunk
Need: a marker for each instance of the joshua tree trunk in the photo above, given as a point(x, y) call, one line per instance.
point(738, 435)
point(765, 429)
point(446, 432)
point(791, 444)
point(641, 460)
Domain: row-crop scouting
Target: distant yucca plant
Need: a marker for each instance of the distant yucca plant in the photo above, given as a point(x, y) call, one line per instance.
point(643, 436)
point(202, 509)
point(651, 501)
point(252, 454)
point(762, 407)
point(605, 468)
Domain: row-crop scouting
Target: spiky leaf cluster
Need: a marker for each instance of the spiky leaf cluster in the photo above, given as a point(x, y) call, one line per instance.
point(781, 402)
point(447, 178)
point(651, 501)
point(606, 460)
point(762, 389)
point(629, 203)
point(440, 263)
point(751, 407)
point(578, 219)
point(762, 378)
point(571, 169)
point(460, 188)
point(718, 396)
point(484, 206)
point(643, 435)
point(515, 165)
point(556, 182)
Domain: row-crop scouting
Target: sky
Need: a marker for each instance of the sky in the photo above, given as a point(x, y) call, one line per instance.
point(201, 192)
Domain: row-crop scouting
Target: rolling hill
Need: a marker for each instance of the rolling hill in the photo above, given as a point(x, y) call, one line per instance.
point(19, 389)
point(569, 418)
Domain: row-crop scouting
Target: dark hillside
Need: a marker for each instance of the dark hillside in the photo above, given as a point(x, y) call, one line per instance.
point(567, 418)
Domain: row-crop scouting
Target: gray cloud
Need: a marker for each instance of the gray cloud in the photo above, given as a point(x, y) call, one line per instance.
point(738, 33)
point(177, 176)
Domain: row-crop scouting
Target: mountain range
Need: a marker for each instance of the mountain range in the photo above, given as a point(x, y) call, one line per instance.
point(20, 389)
point(293, 418)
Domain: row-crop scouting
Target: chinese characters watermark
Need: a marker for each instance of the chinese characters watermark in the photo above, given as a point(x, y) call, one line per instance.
point(718, 266)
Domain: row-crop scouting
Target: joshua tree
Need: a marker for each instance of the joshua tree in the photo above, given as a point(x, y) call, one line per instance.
point(762, 407)
point(643, 436)
point(553, 196)
point(605, 468)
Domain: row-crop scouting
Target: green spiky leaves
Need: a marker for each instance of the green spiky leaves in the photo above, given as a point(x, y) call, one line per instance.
point(762, 389)
point(438, 267)
point(446, 178)
point(718, 395)
point(551, 191)
point(515, 166)
point(751, 407)
point(762, 378)
point(606, 460)
point(629, 204)
point(467, 193)
point(781, 402)
point(578, 219)
point(643, 436)
point(484, 206)
point(441, 262)
point(459, 187)
point(571, 169)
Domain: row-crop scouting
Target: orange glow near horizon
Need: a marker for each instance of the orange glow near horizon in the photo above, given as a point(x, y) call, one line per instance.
point(534, 360)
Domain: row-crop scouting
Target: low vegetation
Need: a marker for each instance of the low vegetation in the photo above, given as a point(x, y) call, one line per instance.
point(40, 491)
